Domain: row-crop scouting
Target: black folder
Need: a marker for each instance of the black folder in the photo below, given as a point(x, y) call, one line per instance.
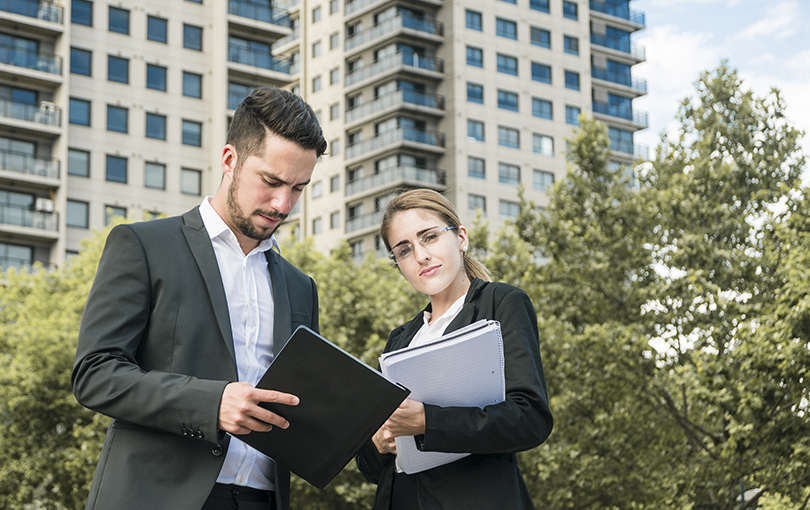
point(343, 403)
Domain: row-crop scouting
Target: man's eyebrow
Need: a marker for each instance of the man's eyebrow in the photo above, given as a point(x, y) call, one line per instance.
point(268, 175)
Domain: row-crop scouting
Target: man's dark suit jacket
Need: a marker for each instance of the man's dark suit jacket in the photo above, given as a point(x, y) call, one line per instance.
point(155, 353)
point(490, 477)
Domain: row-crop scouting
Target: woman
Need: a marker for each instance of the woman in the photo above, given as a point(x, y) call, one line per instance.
point(428, 244)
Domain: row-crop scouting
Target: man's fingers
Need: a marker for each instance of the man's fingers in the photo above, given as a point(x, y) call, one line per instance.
point(276, 397)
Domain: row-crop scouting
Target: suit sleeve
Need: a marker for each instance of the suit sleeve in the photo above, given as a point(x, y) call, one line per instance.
point(524, 419)
point(106, 375)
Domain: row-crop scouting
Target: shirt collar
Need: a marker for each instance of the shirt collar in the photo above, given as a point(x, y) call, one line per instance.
point(216, 226)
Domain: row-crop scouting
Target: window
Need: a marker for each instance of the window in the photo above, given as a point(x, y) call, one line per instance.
point(111, 211)
point(192, 37)
point(154, 175)
point(156, 29)
point(572, 115)
point(79, 112)
point(192, 133)
point(508, 174)
point(156, 126)
point(334, 76)
point(540, 37)
point(316, 49)
point(620, 140)
point(475, 57)
point(192, 84)
point(334, 41)
point(78, 163)
point(316, 83)
point(155, 77)
point(117, 118)
point(475, 130)
point(475, 93)
point(507, 100)
point(508, 137)
point(334, 219)
point(334, 111)
point(333, 6)
point(476, 203)
point(316, 14)
point(570, 10)
point(317, 189)
point(81, 12)
point(117, 69)
point(116, 169)
point(190, 181)
point(541, 108)
point(476, 168)
point(505, 28)
point(542, 144)
point(12, 255)
point(571, 80)
point(474, 20)
point(195, 1)
point(237, 93)
point(334, 181)
point(539, 5)
point(507, 64)
point(571, 45)
point(543, 180)
point(77, 213)
point(509, 209)
point(316, 226)
point(81, 61)
point(119, 20)
point(541, 72)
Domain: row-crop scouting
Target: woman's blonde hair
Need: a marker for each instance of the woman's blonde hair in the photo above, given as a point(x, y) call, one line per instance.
point(429, 200)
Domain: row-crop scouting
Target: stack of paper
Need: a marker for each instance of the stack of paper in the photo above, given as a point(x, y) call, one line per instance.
point(461, 369)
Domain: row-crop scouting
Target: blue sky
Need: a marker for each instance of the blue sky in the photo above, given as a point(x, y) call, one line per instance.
point(768, 43)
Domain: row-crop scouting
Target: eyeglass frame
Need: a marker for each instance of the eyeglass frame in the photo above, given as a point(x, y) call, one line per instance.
point(439, 231)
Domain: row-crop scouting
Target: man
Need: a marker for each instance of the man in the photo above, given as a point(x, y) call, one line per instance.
point(184, 316)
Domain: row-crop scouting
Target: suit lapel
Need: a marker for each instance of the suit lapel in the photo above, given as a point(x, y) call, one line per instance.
point(282, 323)
point(200, 244)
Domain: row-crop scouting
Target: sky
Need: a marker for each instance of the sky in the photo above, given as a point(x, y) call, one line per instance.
point(767, 42)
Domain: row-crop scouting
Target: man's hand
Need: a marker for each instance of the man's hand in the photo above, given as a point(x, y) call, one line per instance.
point(240, 412)
point(408, 419)
point(384, 440)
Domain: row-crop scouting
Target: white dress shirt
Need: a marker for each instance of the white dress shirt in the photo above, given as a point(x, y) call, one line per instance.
point(246, 280)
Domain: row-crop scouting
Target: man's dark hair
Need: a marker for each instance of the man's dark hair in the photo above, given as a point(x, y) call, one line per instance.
point(279, 111)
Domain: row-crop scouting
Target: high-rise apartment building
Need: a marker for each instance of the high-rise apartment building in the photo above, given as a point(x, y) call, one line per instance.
point(121, 108)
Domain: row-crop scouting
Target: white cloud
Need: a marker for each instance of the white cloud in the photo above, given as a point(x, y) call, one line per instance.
point(781, 21)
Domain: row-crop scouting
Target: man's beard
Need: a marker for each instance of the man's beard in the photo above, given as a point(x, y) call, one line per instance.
point(243, 222)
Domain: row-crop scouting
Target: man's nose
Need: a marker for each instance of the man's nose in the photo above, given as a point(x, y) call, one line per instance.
point(282, 200)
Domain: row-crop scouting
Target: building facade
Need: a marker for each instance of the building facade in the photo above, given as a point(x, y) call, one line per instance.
point(122, 108)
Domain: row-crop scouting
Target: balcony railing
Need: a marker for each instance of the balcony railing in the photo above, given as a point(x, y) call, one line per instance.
point(415, 60)
point(622, 112)
point(622, 45)
point(16, 263)
point(287, 5)
point(355, 5)
point(641, 152)
point(394, 174)
point(396, 97)
point(49, 115)
point(45, 11)
point(620, 11)
point(259, 11)
point(29, 164)
point(296, 33)
point(30, 59)
point(22, 216)
point(622, 78)
point(393, 23)
point(259, 59)
point(395, 135)
point(364, 221)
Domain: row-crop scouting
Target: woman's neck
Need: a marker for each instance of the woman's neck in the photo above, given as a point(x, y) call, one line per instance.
point(440, 303)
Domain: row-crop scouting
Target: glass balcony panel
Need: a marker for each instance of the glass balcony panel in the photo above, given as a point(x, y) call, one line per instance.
point(622, 45)
point(29, 164)
point(241, 55)
point(416, 60)
point(391, 136)
point(620, 11)
point(401, 20)
point(395, 174)
point(49, 115)
point(395, 97)
point(22, 216)
point(30, 59)
point(259, 11)
point(622, 78)
point(622, 112)
point(364, 221)
point(45, 11)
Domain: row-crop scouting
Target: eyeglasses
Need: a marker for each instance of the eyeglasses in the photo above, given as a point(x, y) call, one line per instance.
point(403, 251)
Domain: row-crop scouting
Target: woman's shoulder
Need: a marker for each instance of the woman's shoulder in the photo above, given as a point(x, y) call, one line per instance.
point(496, 290)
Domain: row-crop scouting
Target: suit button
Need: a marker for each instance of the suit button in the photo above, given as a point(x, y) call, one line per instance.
point(217, 451)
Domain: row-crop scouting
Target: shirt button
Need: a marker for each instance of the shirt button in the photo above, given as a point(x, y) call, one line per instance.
point(217, 451)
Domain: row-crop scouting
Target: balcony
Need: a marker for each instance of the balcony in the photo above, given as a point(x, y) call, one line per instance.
point(627, 147)
point(413, 61)
point(45, 11)
point(296, 33)
point(618, 11)
point(259, 11)
point(393, 24)
point(28, 164)
point(28, 59)
point(396, 176)
point(393, 136)
point(622, 112)
point(623, 45)
point(622, 78)
point(399, 97)
point(356, 5)
point(364, 221)
point(46, 114)
point(258, 59)
point(22, 216)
